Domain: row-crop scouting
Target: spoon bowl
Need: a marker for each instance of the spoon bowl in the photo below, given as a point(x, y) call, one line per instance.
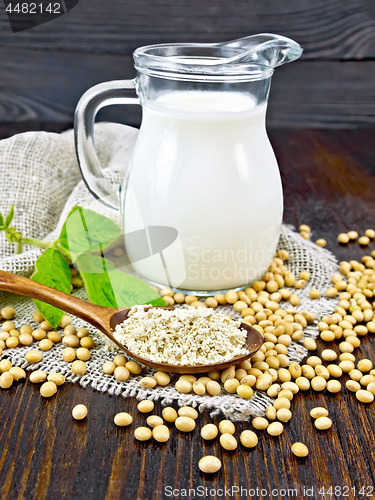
point(106, 319)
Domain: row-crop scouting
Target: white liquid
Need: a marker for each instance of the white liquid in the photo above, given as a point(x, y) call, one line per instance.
point(203, 164)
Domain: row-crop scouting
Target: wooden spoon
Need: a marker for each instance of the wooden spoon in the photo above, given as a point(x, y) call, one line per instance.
point(106, 319)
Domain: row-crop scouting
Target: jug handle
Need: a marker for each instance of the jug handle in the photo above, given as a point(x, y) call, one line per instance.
point(97, 97)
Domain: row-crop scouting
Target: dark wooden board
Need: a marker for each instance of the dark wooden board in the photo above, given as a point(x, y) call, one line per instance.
point(9, 129)
point(45, 70)
point(329, 181)
point(46, 86)
point(330, 29)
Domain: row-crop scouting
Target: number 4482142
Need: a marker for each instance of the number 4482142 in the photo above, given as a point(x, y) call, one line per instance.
point(33, 8)
point(346, 491)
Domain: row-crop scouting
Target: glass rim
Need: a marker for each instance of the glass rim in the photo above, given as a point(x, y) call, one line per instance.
point(184, 61)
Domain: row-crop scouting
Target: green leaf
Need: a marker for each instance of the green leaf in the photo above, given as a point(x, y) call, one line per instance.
point(9, 217)
point(52, 270)
point(86, 231)
point(157, 302)
point(110, 287)
point(1, 221)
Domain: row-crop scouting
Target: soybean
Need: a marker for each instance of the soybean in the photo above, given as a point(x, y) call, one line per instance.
point(228, 441)
point(179, 298)
point(54, 336)
point(69, 354)
point(46, 326)
point(303, 383)
point(48, 389)
point(209, 464)
point(321, 242)
point(11, 342)
point(185, 424)
point(121, 373)
point(284, 414)
point(226, 427)
point(323, 423)
point(353, 385)
point(57, 378)
point(134, 368)
point(346, 366)
point(109, 367)
point(38, 376)
point(33, 356)
point(329, 355)
point(319, 412)
point(5, 365)
point(162, 378)
point(209, 431)
point(169, 414)
point(6, 380)
point(183, 386)
point(8, 312)
point(260, 423)
point(84, 332)
point(146, 406)
point(364, 240)
point(79, 367)
point(38, 317)
point(199, 388)
point(79, 412)
point(275, 429)
point(148, 382)
point(343, 238)
point(45, 344)
point(142, 433)
point(364, 365)
point(310, 344)
point(7, 326)
point(83, 354)
point(213, 388)
point(333, 386)
point(154, 420)
point(87, 342)
point(300, 449)
point(248, 439)
point(364, 396)
point(318, 383)
point(188, 411)
point(17, 373)
point(160, 433)
point(284, 393)
point(244, 391)
point(123, 419)
point(64, 321)
point(25, 339)
point(70, 340)
point(70, 330)
point(211, 302)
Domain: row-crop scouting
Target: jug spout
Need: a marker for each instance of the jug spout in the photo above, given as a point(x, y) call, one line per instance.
point(264, 49)
point(249, 58)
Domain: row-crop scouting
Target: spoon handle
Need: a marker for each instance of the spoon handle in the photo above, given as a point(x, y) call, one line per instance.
point(92, 313)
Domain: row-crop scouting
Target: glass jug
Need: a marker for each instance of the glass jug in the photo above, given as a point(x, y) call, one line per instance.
point(202, 200)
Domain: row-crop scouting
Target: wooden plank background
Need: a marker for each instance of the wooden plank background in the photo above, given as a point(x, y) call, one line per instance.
point(43, 71)
point(328, 181)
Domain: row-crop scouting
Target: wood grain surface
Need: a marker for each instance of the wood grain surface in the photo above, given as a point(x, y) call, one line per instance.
point(329, 181)
point(305, 93)
point(45, 70)
point(329, 29)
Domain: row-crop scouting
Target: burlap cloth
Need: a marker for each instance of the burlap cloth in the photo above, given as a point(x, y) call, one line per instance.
point(40, 177)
